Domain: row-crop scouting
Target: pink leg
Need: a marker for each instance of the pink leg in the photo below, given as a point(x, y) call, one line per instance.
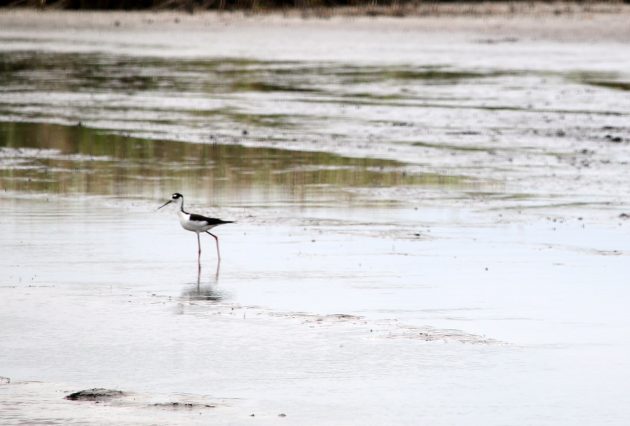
point(198, 250)
point(217, 241)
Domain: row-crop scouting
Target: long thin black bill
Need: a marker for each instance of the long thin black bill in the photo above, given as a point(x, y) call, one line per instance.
point(168, 202)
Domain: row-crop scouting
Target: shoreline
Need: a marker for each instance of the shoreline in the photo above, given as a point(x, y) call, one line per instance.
point(564, 22)
point(457, 8)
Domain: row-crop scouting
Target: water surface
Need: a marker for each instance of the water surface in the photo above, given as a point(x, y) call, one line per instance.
point(427, 227)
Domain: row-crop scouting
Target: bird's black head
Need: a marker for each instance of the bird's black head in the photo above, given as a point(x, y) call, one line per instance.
point(175, 197)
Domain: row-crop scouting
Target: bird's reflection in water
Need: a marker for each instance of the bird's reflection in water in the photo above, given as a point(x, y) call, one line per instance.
point(205, 288)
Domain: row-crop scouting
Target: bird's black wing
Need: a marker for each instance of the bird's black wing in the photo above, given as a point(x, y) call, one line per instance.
point(209, 220)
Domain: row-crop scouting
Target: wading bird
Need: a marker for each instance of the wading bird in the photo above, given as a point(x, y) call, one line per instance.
point(196, 222)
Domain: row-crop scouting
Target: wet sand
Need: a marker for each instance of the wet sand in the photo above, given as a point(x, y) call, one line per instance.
point(428, 228)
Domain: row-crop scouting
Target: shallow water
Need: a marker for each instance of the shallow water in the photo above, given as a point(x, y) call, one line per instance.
point(541, 121)
point(419, 234)
point(48, 158)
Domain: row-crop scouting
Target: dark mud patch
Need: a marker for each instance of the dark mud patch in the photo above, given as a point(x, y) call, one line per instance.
point(614, 138)
point(435, 74)
point(95, 394)
point(617, 85)
point(260, 86)
point(182, 405)
point(607, 80)
point(497, 40)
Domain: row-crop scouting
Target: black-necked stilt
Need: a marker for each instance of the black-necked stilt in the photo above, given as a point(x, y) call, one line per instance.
point(196, 222)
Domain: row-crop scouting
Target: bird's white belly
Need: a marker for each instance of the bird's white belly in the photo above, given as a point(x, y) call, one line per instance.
point(190, 225)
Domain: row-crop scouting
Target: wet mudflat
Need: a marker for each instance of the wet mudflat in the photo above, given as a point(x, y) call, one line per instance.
point(428, 228)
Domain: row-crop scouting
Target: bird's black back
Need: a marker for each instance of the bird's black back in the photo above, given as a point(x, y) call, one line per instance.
point(209, 220)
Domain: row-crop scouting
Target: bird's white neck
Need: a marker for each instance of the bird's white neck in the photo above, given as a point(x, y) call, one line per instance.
point(180, 204)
